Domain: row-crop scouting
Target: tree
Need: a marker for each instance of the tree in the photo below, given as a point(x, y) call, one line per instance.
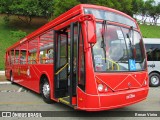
point(150, 9)
point(27, 8)
point(61, 6)
point(145, 8)
point(157, 13)
point(4, 6)
point(137, 6)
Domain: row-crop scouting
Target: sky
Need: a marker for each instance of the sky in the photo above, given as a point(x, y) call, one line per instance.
point(155, 1)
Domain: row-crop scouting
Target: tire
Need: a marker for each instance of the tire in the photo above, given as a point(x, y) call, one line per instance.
point(11, 78)
point(154, 80)
point(45, 90)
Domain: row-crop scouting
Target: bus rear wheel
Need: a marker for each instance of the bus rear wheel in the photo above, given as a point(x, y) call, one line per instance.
point(45, 91)
point(154, 80)
point(11, 78)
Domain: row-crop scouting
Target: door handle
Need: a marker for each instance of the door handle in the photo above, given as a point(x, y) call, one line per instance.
point(61, 69)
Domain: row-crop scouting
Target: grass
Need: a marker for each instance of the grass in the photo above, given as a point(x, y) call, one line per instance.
point(7, 39)
point(150, 31)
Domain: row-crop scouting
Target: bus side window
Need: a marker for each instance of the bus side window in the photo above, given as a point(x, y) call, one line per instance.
point(50, 56)
point(158, 56)
point(33, 50)
point(43, 57)
point(23, 57)
point(12, 57)
point(46, 48)
point(149, 51)
point(17, 57)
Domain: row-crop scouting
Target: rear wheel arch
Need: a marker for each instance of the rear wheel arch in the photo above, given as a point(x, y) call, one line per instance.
point(44, 75)
point(155, 72)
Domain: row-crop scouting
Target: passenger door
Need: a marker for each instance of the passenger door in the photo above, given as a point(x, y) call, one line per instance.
point(66, 63)
point(61, 64)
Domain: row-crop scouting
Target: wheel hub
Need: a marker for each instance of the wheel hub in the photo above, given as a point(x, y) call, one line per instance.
point(155, 80)
point(46, 90)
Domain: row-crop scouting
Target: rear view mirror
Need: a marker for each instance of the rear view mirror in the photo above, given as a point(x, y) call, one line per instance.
point(90, 27)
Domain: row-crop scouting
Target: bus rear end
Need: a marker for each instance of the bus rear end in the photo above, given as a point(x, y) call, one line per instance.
point(116, 68)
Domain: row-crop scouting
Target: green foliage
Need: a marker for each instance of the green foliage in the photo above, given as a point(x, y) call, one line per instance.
point(18, 34)
point(137, 6)
point(4, 6)
point(61, 6)
point(150, 9)
point(28, 8)
point(8, 36)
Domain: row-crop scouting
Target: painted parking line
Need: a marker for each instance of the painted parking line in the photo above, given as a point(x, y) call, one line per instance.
point(5, 82)
point(22, 103)
point(19, 90)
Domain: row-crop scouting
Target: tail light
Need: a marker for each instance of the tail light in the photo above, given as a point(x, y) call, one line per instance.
point(145, 83)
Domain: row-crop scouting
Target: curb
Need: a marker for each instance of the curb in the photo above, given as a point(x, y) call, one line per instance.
point(2, 72)
point(4, 82)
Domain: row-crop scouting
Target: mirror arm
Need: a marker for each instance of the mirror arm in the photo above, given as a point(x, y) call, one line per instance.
point(86, 17)
point(91, 26)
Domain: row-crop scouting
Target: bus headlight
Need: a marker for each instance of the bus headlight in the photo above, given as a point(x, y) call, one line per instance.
point(100, 87)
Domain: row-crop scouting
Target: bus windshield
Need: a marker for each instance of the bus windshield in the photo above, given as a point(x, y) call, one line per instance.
point(110, 16)
point(118, 49)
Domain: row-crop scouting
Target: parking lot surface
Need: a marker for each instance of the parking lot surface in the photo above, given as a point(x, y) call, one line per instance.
point(16, 98)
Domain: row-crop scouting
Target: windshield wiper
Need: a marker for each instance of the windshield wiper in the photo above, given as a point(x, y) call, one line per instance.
point(103, 44)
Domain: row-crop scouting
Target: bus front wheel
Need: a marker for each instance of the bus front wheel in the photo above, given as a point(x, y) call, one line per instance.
point(154, 80)
point(45, 90)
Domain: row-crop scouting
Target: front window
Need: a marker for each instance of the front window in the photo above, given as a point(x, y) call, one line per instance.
point(110, 16)
point(118, 49)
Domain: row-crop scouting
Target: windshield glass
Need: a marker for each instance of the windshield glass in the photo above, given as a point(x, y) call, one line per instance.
point(118, 49)
point(110, 16)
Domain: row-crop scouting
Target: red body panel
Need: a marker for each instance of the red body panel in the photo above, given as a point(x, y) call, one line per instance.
point(119, 81)
point(31, 81)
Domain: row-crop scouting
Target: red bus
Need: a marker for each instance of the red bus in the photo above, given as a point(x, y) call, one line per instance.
point(91, 58)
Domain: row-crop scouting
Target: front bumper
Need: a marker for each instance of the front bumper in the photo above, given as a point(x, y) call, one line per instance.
point(112, 100)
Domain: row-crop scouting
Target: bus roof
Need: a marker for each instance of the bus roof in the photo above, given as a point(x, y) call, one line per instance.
point(151, 40)
point(70, 14)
